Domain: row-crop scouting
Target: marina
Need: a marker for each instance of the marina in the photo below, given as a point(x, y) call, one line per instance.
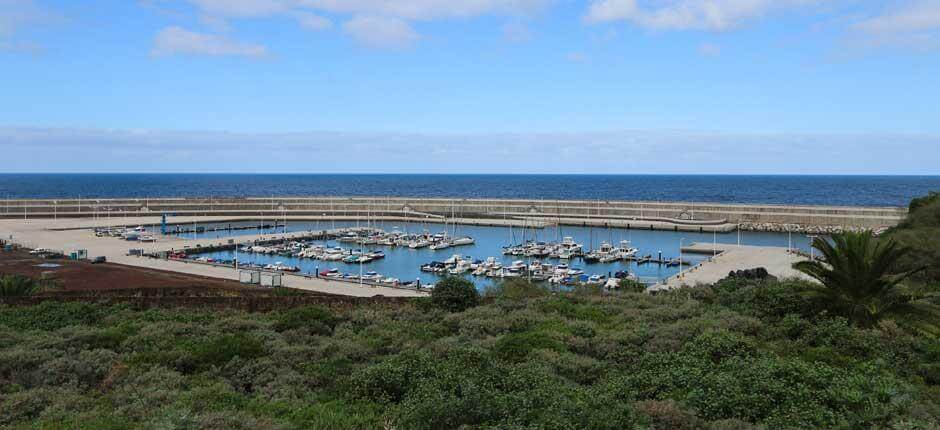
point(648, 256)
point(403, 248)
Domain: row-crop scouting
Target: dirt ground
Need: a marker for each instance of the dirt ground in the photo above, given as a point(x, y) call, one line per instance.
point(84, 276)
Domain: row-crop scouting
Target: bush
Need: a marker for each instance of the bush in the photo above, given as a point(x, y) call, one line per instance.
point(631, 286)
point(52, 315)
point(315, 318)
point(220, 350)
point(455, 294)
point(516, 346)
point(516, 289)
point(17, 285)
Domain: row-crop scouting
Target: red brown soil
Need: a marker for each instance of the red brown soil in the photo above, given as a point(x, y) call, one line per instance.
point(84, 276)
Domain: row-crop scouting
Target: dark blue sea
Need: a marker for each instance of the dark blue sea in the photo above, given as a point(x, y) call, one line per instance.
point(817, 190)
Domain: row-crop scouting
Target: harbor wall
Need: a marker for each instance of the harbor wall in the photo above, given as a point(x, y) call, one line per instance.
point(753, 216)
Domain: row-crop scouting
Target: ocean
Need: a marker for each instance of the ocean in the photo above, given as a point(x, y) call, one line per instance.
point(766, 189)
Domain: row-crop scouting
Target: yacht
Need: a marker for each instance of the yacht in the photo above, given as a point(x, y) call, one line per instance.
point(440, 245)
point(419, 243)
point(461, 267)
point(460, 241)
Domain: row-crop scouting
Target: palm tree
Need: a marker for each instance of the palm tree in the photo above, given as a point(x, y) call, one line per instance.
point(857, 280)
point(17, 285)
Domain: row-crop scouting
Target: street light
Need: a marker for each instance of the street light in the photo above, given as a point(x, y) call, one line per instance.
point(678, 275)
point(812, 253)
point(789, 240)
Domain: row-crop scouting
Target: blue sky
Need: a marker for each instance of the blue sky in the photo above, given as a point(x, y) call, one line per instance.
point(731, 86)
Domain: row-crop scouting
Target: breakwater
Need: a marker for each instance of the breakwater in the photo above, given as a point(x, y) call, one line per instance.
point(680, 216)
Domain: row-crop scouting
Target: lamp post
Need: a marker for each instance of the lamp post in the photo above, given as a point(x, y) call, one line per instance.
point(812, 253)
point(714, 244)
point(789, 240)
point(679, 275)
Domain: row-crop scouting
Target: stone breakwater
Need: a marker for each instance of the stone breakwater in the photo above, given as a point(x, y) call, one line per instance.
point(681, 215)
point(822, 230)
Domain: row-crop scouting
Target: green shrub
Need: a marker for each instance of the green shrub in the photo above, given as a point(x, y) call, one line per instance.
point(631, 286)
point(17, 285)
point(219, 350)
point(314, 318)
point(455, 294)
point(516, 289)
point(52, 315)
point(516, 346)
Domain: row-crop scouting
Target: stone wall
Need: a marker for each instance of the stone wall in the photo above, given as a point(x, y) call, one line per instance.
point(376, 207)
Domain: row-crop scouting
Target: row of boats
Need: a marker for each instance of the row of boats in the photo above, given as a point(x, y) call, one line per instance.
point(568, 249)
point(536, 270)
point(413, 241)
point(316, 252)
point(373, 277)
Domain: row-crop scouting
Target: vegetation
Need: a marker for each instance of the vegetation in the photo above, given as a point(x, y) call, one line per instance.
point(739, 354)
point(919, 233)
point(17, 285)
point(455, 294)
point(631, 285)
point(856, 276)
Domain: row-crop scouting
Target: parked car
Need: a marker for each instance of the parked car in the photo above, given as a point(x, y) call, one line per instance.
point(99, 259)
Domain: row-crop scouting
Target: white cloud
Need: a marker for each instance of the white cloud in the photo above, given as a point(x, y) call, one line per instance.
point(312, 21)
point(427, 9)
point(179, 41)
point(611, 10)
point(916, 24)
point(99, 150)
point(381, 32)
point(369, 21)
point(714, 15)
point(243, 8)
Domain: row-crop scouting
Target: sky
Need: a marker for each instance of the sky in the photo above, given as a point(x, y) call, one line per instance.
point(471, 86)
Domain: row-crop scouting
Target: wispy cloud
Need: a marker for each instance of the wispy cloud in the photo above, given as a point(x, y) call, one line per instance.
point(16, 15)
point(381, 32)
point(713, 15)
point(610, 152)
point(428, 9)
point(913, 25)
point(179, 41)
point(367, 21)
point(312, 21)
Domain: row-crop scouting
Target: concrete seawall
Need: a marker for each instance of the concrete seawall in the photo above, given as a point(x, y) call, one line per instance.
point(665, 215)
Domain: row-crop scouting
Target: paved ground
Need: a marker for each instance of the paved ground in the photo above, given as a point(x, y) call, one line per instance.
point(50, 234)
point(777, 261)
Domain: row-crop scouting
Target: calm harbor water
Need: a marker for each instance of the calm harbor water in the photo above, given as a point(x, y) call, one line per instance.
point(404, 263)
point(820, 190)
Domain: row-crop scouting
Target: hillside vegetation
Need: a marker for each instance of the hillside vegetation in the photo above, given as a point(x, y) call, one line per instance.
point(729, 356)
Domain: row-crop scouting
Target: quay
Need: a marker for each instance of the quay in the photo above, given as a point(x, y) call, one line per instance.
point(727, 258)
